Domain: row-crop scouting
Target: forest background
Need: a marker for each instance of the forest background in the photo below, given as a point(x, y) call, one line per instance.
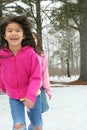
point(62, 29)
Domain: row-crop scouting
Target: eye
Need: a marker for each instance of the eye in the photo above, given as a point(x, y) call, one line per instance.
point(18, 30)
point(9, 30)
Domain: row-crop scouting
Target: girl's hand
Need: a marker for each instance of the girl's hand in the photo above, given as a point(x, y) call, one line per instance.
point(28, 103)
point(50, 96)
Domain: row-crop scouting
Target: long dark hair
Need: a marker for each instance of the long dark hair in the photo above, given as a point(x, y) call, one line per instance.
point(38, 47)
point(26, 26)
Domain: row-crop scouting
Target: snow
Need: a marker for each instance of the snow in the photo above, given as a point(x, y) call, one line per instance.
point(64, 78)
point(68, 110)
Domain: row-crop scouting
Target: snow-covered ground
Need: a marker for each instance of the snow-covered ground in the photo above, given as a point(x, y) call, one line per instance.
point(68, 110)
point(64, 79)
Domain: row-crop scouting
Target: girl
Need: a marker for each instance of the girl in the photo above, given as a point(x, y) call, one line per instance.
point(45, 84)
point(44, 66)
point(20, 74)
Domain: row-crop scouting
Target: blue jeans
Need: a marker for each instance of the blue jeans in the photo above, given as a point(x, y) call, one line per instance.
point(18, 113)
point(44, 105)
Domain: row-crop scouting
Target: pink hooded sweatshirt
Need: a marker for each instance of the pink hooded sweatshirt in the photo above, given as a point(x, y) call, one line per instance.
point(20, 74)
point(45, 83)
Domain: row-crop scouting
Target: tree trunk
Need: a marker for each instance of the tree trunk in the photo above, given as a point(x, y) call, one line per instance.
point(83, 39)
point(38, 20)
point(68, 68)
point(0, 10)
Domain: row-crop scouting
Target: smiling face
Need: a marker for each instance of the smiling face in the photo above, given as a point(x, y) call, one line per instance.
point(14, 34)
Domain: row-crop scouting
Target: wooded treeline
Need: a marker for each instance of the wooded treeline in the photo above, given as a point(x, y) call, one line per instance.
point(62, 28)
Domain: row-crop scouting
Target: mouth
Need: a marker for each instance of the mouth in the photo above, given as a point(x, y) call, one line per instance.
point(14, 39)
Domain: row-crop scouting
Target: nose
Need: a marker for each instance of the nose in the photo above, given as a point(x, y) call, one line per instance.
point(13, 32)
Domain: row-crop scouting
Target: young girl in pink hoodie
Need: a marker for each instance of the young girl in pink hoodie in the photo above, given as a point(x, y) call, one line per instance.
point(20, 73)
point(45, 84)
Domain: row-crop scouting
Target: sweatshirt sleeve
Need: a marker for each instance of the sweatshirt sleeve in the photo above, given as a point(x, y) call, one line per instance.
point(2, 87)
point(35, 78)
point(45, 75)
